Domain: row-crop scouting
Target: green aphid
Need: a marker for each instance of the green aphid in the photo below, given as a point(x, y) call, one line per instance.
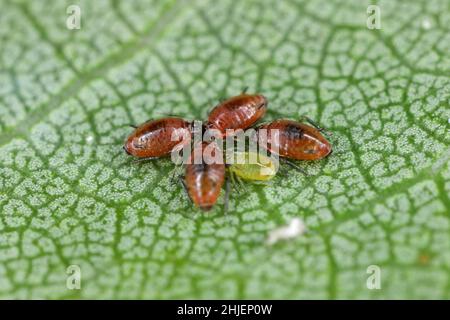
point(253, 166)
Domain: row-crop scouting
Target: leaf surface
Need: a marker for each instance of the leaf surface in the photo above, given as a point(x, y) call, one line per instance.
point(69, 196)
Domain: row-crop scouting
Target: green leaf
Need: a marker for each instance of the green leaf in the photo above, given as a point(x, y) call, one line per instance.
point(70, 196)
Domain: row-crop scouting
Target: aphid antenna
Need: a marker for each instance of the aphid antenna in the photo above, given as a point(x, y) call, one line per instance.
point(183, 184)
point(293, 165)
point(260, 183)
point(227, 195)
point(237, 183)
point(283, 172)
point(315, 125)
point(174, 176)
point(163, 114)
point(221, 99)
point(135, 161)
point(258, 124)
point(135, 126)
point(118, 154)
point(121, 164)
point(236, 188)
point(244, 90)
point(335, 153)
point(211, 103)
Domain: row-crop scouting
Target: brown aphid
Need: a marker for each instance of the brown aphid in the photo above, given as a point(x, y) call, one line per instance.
point(204, 181)
point(154, 138)
point(239, 112)
point(296, 140)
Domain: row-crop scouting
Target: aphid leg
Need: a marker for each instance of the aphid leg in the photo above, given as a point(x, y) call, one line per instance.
point(221, 99)
point(227, 195)
point(258, 124)
point(236, 184)
point(212, 105)
point(126, 151)
point(240, 184)
point(232, 180)
point(293, 165)
point(174, 176)
point(144, 159)
point(315, 124)
point(183, 184)
point(261, 183)
point(164, 114)
point(282, 171)
point(244, 90)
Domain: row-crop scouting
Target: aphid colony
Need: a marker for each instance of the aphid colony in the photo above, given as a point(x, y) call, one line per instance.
point(203, 181)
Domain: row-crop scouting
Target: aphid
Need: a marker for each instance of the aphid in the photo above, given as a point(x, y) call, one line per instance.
point(204, 181)
point(296, 140)
point(253, 166)
point(239, 112)
point(157, 138)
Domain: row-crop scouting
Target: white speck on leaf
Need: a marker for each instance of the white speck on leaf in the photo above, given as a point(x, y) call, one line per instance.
point(426, 23)
point(89, 139)
point(295, 228)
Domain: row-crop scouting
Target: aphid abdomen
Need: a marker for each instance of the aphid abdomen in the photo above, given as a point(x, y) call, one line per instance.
point(238, 112)
point(156, 138)
point(252, 172)
point(237, 118)
point(296, 140)
point(264, 168)
point(204, 181)
point(245, 115)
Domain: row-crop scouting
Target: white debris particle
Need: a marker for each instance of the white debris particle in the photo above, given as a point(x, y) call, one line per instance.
point(295, 228)
point(426, 24)
point(89, 139)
